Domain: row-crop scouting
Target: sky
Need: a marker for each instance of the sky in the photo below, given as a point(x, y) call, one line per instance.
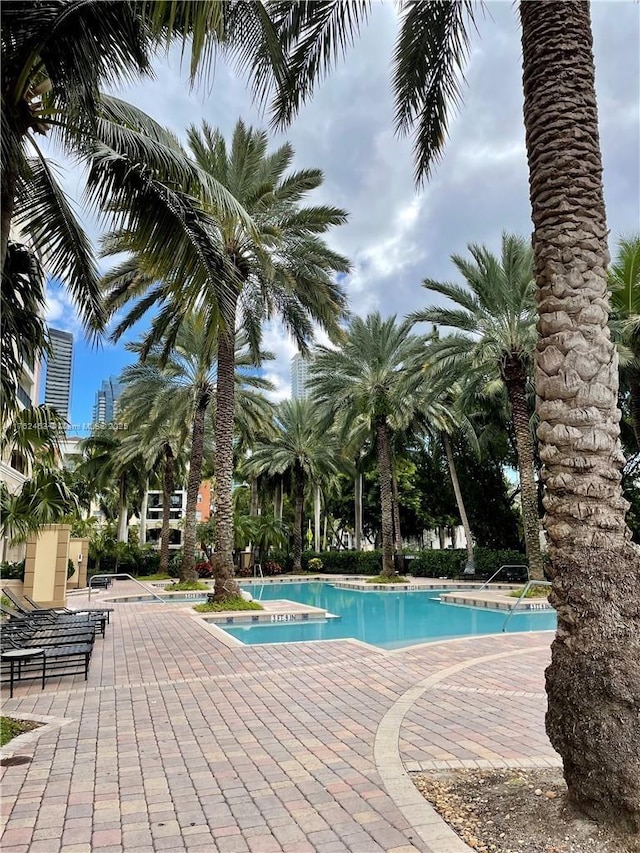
point(397, 235)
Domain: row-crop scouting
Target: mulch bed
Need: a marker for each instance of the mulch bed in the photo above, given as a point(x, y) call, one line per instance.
point(517, 811)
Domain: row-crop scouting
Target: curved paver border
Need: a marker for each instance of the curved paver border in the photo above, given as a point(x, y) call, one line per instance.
point(424, 819)
point(18, 744)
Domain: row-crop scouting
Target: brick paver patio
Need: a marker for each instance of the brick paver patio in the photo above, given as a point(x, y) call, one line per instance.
point(179, 742)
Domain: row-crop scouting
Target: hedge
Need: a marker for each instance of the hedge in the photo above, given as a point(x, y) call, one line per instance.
point(425, 564)
point(448, 564)
point(12, 571)
point(133, 561)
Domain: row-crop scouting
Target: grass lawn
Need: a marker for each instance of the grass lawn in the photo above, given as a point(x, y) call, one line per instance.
point(10, 728)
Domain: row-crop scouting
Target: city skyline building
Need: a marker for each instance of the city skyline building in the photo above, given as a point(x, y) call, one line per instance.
point(57, 386)
point(299, 377)
point(105, 408)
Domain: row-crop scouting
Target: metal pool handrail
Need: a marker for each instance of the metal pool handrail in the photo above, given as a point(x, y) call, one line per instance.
point(506, 566)
point(125, 575)
point(525, 590)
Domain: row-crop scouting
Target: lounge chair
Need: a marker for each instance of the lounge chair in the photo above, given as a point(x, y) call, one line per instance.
point(69, 659)
point(65, 632)
point(98, 611)
point(49, 614)
point(27, 638)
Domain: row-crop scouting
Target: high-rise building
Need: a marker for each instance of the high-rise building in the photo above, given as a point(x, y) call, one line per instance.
point(105, 407)
point(299, 377)
point(57, 387)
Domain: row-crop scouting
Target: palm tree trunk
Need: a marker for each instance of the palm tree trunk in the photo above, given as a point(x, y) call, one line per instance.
point(514, 373)
point(123, 513)
point(317, 503)
point(187, 569)
point(7, 202)
point(386, 492)
point(279, 500)
point(635, 408)
point(358, 512)
point(167, 491)
point(298, 476)
point(142, 530)
point(470, 568)
point(254, 499)
point(226, 586)
point(397, 534)
point(592, 683)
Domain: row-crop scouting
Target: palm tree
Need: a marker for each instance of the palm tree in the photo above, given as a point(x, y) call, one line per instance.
point(302, 449)
point(163, 435)
point(274, 261)
point(576, 363)
point(624, 286)
point(495, 318)
point(185, 383)
point(373, 381)
point(55, 57)
point(32, 437)
point(111, 458)
point(22, 322)
point(439, 416)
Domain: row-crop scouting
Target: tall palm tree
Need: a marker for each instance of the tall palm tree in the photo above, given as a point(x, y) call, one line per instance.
point(624, 286)
point(185, 382)
point(576, 377)
point(494, 315)
point(373, 381)
point(114, 459)
point(163, 434)
point(302, 449)
point(274, 262)
point(438, 416)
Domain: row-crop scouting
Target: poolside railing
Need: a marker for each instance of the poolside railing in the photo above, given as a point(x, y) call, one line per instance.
point(522, 595)
point(125, 575)
point(506, 566)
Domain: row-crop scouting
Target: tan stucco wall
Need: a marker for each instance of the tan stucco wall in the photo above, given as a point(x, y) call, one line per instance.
point(77, 547)
point(45, 575)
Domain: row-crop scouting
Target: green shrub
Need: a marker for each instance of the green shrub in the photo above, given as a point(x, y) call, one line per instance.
point(425, 564)
point(230, 604)
point(71, 569)
point(437, 564)
point(148, 562)
point(12, 571)
point(185, 585)
point(450, 564)
point(314, 564)
point(381, 579)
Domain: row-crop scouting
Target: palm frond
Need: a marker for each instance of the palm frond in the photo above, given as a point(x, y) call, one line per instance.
point(430, 55)
point(43, 211)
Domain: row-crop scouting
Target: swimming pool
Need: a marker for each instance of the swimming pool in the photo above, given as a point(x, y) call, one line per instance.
point(385, 619)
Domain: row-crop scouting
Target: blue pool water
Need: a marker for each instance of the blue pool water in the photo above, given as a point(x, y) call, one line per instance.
point(386, 619)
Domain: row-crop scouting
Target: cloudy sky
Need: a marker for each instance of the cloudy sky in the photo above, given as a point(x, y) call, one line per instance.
point(397, 236)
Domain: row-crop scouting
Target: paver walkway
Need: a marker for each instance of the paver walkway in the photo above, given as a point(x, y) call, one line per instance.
point(178, 742)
